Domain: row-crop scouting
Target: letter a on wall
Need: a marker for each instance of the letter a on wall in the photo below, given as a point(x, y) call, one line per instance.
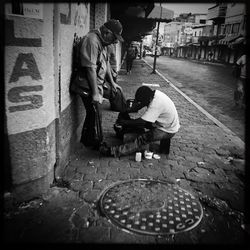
point(19, 70)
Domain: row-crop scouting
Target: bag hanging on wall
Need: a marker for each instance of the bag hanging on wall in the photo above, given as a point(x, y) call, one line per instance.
point(79, 85)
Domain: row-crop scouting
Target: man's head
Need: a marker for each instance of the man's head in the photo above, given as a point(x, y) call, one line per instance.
point(111, 31)
point(144, 95)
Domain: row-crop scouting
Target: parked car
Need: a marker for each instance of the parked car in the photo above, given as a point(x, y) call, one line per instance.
point(148, 52)
point(158, 53)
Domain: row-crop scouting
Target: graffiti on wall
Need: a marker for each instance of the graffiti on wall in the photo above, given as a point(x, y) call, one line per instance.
point(81, 15)
point(66, 18)
point(25, 65)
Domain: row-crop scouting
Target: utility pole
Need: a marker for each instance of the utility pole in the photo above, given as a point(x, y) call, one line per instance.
point(157, 35)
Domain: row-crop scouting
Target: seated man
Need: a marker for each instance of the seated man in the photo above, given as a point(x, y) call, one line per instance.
point(161, 119)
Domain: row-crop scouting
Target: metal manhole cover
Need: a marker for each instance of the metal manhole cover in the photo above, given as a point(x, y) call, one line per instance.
point(151, 207)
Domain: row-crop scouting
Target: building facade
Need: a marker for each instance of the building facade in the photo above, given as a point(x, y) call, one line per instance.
point(42, 120)
point(220, 33)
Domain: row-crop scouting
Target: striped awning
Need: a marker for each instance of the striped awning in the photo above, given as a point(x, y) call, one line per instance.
point(228, 39)
point(239, 41)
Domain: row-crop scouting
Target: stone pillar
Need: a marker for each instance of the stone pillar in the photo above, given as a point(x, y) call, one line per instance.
point(100, 14)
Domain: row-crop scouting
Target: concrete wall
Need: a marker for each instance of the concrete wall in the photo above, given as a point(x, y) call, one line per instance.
point(43, 120)
point(30, 101)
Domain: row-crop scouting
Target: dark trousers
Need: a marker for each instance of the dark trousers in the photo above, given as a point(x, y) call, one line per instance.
point(89, 136)
point(129, 64)
point(141, 142)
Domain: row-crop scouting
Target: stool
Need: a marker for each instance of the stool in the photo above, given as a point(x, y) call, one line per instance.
point(165, 146)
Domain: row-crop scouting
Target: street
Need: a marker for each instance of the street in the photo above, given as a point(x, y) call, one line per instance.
point(210, 86)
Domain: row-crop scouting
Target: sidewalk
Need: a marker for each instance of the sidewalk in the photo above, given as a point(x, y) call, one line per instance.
point(204, 159)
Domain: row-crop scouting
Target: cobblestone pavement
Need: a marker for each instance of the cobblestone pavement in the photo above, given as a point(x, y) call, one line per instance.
point(204, 160)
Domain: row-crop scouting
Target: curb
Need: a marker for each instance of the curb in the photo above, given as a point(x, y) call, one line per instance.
point(202, 62)
point(217, 122)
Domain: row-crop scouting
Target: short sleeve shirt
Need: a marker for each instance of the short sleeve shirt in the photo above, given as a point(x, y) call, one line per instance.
point(163, 113)
point(92, 53)
point(112, 56)
point(242, 61)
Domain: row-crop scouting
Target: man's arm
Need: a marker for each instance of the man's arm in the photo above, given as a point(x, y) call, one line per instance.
point(91, 74)
point(139, 122)
point(110, 79)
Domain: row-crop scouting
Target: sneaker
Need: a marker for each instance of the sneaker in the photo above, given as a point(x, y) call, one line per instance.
point(105, 150)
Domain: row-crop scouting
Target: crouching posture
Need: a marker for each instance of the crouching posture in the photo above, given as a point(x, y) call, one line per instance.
point(159, 122)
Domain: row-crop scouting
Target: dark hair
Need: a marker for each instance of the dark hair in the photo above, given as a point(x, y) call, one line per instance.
point(144, 95)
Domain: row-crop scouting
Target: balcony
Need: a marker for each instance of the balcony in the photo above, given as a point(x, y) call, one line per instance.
point(217, 12)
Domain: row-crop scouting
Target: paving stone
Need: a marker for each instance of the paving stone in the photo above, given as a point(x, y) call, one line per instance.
point(135, 175)
point(222, 152)
point(148, 173)
point(136, 165)
point(95, 176)
point(69, 173)
point(86, 169)
point(123, 175)
point(84, 211)
point(76, 185)
point(95, 235)
point(193, 158)
point(92, 196)
point(119, 236)
point(203, 175)
point(239, 164)
point(102, 184)
point(103, 222)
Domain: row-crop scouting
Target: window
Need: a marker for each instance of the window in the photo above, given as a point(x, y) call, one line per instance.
point(244, 23)
point(203, 21)
point(17, 8)
point(222, 29)
point(228, 29)
point(235, 28)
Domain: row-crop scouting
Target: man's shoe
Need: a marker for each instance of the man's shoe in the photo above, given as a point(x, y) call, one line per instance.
point(105, 150)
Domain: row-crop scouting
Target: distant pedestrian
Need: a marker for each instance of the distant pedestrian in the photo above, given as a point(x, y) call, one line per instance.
point(239, 93)
point(131, 54)
point(210, 55)
point(160, 121)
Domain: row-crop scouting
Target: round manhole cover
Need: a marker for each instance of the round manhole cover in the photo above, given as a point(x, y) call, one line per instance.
point(151, 207)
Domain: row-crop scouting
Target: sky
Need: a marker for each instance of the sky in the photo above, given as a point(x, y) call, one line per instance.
point(179, 8)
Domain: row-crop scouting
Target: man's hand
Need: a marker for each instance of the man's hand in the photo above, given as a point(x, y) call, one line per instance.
point(97, 98)
point(116, 86)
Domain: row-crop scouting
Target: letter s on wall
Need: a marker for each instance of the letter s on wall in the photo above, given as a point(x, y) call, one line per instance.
point(14, 95)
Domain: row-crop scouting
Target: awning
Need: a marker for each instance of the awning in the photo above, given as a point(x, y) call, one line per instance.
point(228, 39)
point(239, 41)
point(161, 14)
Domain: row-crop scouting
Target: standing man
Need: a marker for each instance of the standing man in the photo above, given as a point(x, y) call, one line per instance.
point(160, 119)
point(95, 65)
point(239, 95)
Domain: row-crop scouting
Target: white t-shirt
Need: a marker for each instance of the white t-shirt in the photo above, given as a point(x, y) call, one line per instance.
point(242, 62)
point(163, 113)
